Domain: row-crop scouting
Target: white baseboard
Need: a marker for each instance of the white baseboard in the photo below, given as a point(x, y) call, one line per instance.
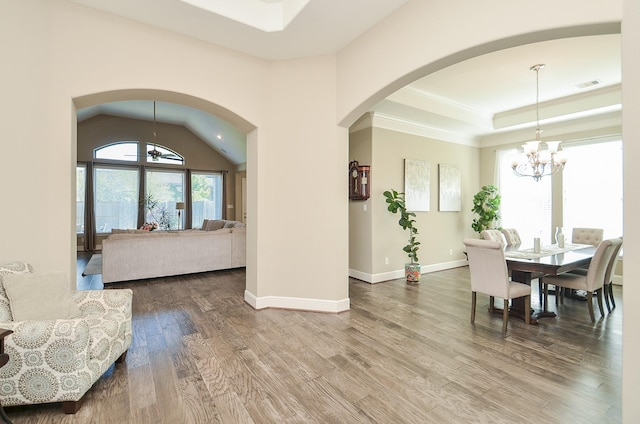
point(304, 304)
point(394, 275)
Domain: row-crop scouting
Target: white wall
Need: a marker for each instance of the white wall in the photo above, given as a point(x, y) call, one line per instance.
point(631, 135)
point(425, 36)
point(54, 51)
point(62, 53)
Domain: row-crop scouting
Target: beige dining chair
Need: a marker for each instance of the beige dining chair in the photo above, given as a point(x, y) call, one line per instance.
point(495, 235)
point(608, 276)
point(592, 236)
point(593, 281)
point(490, 276)
point(512, 237)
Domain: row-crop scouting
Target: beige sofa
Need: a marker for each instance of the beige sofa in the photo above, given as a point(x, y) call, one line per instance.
point(134, 256)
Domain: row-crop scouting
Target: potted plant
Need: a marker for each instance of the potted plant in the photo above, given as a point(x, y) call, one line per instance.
point(397, 204)
point(159, 214)
point(486, 204)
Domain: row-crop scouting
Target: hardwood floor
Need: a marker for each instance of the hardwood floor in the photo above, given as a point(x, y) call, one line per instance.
point(402, 354)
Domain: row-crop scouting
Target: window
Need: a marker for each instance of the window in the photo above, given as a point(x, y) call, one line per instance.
point(81, 180)
point(125, 150)
point(160, 154)
point(206, 197)
point(116, 198)
point(164, 188)
point(592, 188)
point(525, 204)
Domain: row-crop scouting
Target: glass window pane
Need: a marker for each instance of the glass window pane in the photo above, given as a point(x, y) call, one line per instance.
point(160, 154)
point(206, 197)
point(593, 199)
point(126, 150)
point(163, 190)
point(525, 204)
point(81, 179)
point(116, 198)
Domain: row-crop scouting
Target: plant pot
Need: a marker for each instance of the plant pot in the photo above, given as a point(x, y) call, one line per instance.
point(412, 273)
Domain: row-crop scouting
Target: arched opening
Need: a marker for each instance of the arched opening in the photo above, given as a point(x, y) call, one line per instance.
point(386, 117)
point(109, 119)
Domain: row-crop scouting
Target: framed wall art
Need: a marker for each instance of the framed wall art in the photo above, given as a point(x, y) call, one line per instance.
point(449, 188)
point(417, 180)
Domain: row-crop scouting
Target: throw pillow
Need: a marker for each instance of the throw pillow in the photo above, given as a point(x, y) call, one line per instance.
point(6, 269)
point(39, 296)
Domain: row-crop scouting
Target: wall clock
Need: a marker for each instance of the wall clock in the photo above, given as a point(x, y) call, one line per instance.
point(359, 181)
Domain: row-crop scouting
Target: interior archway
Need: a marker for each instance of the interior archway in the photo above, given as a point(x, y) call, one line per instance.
point(189, 101)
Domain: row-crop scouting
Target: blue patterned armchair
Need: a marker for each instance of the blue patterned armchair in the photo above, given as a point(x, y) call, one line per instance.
point(58, 360)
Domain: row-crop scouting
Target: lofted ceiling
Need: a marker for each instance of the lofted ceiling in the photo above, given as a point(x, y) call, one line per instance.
point(492, 95)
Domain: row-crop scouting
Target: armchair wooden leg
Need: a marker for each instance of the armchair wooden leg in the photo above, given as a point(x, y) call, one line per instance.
point(122, 357)
point(491, 300)
point(71, 407)
point(527, 303)
point(545, 302)
point(505, 315)
point(473, 306)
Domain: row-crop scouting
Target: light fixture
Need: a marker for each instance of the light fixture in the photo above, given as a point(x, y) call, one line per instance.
point(538, 163)
point(179, 208)
point(154, 153)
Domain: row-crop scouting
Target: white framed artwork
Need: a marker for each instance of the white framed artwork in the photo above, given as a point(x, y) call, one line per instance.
point(417, 180)
point(449, 188)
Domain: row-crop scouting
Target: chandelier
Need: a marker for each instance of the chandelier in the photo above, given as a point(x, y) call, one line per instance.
point(537, 163)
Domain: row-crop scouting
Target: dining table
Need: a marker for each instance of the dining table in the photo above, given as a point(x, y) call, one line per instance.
point(523, 261)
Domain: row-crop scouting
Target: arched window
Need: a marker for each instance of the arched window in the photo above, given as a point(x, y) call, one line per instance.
point(128, 151)
point(122, 150)
point(161, 154)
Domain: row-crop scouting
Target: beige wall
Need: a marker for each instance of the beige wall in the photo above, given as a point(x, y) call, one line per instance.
point(360, 211)
point(62, 54)
point(440, 233)
point(631, 135)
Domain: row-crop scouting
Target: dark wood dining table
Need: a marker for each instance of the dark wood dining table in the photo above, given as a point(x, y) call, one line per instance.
point(523, 262)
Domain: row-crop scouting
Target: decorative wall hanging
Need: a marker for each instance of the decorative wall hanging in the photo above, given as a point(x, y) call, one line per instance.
point(417, 180)
point(449, 188)
point(359, 181)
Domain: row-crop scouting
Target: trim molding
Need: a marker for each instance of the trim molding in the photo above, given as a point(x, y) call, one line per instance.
point(297, 303)
point(396, 274)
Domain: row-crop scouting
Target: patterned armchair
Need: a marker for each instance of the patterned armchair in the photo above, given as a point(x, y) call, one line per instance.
point(59, 360)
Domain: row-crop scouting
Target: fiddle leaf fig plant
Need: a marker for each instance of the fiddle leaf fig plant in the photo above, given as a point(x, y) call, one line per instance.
point(486, 204)
point(397, 204)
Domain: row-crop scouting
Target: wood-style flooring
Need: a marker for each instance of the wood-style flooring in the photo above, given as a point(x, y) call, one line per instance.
point(401, 354)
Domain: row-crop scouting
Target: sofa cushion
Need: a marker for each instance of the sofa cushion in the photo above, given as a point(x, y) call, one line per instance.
point(214, 224)
point(16, 267)
point(40, 296)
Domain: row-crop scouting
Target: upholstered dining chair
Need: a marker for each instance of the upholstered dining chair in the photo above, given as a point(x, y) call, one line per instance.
point(593, 281)
point(489, 275)
point(608, 276)
point(592, 236)
point(511, 235)
point(495, 235)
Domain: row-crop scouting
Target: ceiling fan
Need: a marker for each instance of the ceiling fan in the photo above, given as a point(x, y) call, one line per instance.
point(154, 153)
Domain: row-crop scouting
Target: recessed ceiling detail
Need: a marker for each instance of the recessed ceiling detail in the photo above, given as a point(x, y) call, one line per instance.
point(265, 15)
